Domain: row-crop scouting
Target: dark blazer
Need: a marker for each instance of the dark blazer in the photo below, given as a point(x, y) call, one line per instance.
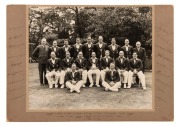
point(90, 63)
point(105, 64)
point(56, 66)
point(138, 65)
point(123, 65)
point(58, 51)
point(115, 77)
point(141, 53)
point(65, 64)
point(114, 53)
point(127, 54)
point(87, 51)
point(69, 76)
point(75, 51)
point(82, 65)
point(100, 51)
point(63, 52)
point(41, 53)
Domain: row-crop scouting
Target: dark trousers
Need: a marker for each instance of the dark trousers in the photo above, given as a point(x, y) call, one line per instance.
point(42, 73)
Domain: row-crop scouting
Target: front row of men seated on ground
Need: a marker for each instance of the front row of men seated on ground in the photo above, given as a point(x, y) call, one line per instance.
point(74, 73)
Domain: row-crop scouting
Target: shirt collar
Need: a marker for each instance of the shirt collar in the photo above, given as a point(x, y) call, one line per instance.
point(54, 58)
point(94, 58)
point(106, 57)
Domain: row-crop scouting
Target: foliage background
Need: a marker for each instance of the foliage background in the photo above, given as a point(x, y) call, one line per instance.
point(55, 22)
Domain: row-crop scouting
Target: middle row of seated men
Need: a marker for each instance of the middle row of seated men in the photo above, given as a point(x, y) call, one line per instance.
point(74, 72)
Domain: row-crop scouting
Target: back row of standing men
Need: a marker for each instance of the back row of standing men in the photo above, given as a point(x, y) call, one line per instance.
point(69, 54)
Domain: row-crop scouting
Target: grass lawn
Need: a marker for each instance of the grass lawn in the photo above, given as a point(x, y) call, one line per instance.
point(41, 97)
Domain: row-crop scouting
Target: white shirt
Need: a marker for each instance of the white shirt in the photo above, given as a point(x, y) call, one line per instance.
point(126, 48)
point(55, 49)
point(93, 60)
point(89, 45)
point(77, 46)
point(80, 60)
point(73, 74)
point(100, 45)
point(106, 59)
point(53, 61)
point(113, 47)
point(121, 60)
point(68, 60)
point(66, 48)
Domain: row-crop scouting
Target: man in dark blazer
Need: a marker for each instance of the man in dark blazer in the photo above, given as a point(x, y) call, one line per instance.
point(105, 63)
point(93, 68)
point(128, 50)
point(66, 67)
point(112, 79)
point(41, 52)
point(88, 48)
point(135, 67)
point(114, 49)
point(100, 48)
point(73, 79)
point(66, 48)
point(81, 64)
point(53, 69)
point(76, 48)
point(121, 64)
point(141, 54)
point(55, 49)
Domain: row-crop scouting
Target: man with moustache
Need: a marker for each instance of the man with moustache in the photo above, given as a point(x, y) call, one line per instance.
point(41, 52)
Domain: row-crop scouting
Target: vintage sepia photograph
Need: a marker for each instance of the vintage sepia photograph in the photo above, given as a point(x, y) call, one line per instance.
point(90, 57)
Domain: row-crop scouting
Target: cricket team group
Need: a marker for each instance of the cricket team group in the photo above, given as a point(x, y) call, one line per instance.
point(82, 65)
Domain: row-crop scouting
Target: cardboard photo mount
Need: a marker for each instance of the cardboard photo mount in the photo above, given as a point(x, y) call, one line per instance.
point(163, 73)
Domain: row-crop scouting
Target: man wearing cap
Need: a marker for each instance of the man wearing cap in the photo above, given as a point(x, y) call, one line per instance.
point(88, 48)
point(81, 64)
point(73, 79)
point(114, 49)
point(135, 67)
point(66, 67)
point(93, 68)
point(53, 70)
point(112, 79)
point(127, 49)
point(42, 54)
point(121, 64)
point(141, 54)
point(100, 48)
point(105, 63)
